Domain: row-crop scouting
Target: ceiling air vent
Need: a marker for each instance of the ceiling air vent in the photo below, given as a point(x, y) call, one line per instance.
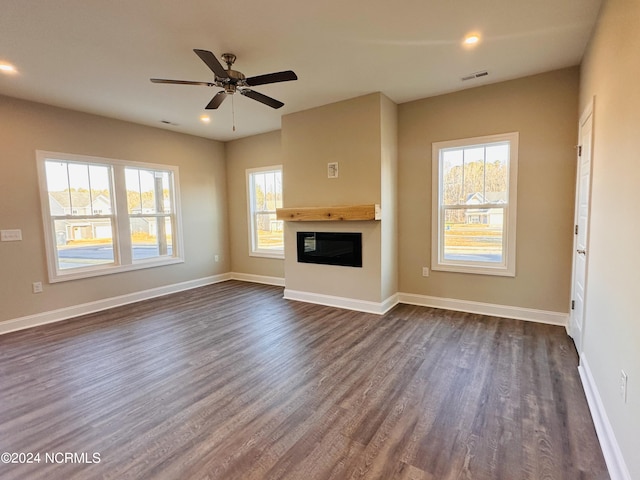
point(167, 122)
point(471, 76)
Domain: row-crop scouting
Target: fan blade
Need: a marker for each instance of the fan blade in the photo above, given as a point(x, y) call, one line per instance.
point(212, 62)
point(285, 76)
point(180, 82)
point(216, 100)
point(272, 102)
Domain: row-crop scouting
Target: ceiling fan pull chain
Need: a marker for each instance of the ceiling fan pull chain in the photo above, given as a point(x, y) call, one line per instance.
point(233, 113)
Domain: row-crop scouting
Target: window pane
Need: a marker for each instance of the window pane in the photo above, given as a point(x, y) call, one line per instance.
point(164, 186)
point(452, 170)
point(270, 190)
point(145, 188)
point(83, 243)
point(100, 190)
point(151, 237)
point(147, 191)
point(141, 190)
point(278, 182)
point(57, 179)
point(497, 173)
point(78, 177)
point(78, 189)
point(132, 182)
point(269, 231)
point(474, 235)
point(259, 192)
point(474, 175)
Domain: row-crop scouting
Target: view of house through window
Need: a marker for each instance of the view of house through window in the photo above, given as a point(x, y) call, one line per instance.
point(149, 206)
point(104, 215)
point(474, 181)
point(81, 208)
point(265, 195)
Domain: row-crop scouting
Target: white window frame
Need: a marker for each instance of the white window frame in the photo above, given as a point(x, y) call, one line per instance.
point(254, 251)
point(508, 265)
point(121, 231)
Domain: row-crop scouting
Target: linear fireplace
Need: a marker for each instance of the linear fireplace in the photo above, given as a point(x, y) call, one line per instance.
point(330, 248)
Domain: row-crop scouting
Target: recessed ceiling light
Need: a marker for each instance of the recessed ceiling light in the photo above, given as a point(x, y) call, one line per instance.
point(472, 39)
point(205, 118)
point(7, 68)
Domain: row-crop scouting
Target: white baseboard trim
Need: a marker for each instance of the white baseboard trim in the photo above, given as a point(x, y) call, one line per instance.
point(610, 449)
point(249, 277)
point(367, 306)
point(506, 311)
point(389, 303)
point(91, 307)
point(379, 308)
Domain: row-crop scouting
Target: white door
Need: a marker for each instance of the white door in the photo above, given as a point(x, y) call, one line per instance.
point(581, 251)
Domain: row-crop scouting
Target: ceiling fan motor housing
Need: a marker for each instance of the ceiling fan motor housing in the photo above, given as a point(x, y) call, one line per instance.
point(230, 84)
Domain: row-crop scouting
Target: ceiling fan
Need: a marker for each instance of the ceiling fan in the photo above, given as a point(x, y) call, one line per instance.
point(232, 81)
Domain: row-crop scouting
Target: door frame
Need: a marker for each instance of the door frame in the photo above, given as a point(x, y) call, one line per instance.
point(574, 331)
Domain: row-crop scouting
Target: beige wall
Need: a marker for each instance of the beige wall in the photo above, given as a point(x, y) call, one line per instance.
point(543, 108)
point(611, 341)
point(349, 133)
point(361, 135)
point(250, 152)
point(346, 132)
point(389, 196)
point(26, 127)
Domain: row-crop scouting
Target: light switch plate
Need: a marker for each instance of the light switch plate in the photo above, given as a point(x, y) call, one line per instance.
point(10, 235)
point(332, 170)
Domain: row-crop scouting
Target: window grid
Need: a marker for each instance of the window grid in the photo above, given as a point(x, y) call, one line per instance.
point(474, 195)
point(264, 195)
point(90, 229)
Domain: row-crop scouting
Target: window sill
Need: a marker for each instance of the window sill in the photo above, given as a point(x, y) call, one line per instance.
point(78, 274)
point(473, 269)
point(267, 254)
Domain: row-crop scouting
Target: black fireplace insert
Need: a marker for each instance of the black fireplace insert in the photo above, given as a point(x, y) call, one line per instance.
point(330, 248)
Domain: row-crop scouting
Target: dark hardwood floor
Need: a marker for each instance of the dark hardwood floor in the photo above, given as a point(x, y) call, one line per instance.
point(230, 381)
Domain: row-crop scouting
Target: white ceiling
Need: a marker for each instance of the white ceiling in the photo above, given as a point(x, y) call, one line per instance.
point(97, 55)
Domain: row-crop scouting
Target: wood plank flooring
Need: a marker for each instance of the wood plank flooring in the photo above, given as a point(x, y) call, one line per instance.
point(230, 381)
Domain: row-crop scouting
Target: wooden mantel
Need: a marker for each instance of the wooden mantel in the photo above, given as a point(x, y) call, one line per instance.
point(323, 214)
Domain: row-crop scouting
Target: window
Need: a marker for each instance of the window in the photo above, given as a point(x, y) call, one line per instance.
point(106, 216)
point(474, 205)
point(264, 188)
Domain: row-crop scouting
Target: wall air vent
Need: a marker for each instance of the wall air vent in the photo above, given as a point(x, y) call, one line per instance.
point(471, 76)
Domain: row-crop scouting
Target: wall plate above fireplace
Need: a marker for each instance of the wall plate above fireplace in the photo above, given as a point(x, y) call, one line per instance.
point(332, 170)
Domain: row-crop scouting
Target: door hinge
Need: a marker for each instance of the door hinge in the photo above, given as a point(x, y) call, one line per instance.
point(579, 150)
point(573, 304)
point(576, 230)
